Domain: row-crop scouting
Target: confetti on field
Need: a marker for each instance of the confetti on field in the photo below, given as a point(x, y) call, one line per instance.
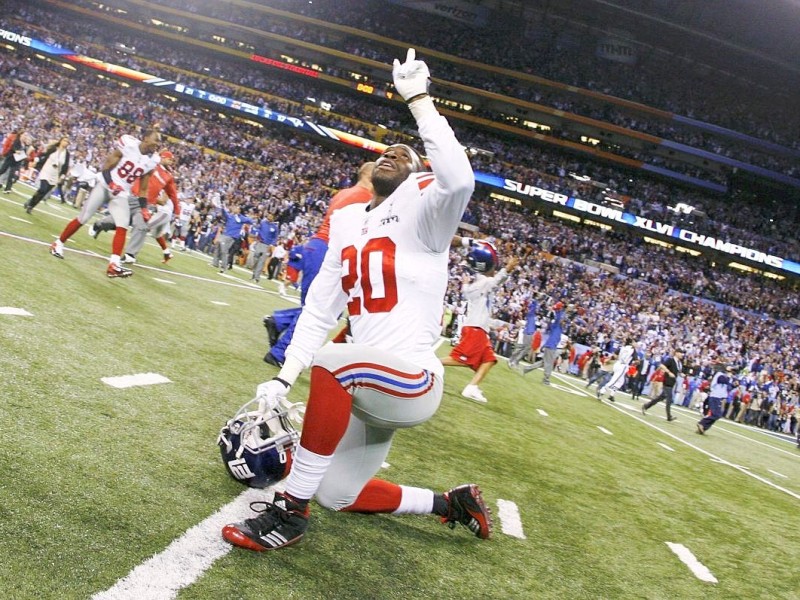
point(604, 430)
point(219, 303)
point(16, 312)
point(138, 379)
point(541, 412)
point(164, 281)
point(665, 447)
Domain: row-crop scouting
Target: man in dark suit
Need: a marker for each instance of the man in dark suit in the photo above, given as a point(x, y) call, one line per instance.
point(671, 367)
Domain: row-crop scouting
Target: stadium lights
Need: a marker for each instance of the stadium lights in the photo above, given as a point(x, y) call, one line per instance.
point(656, 242)
point(566, 216)
point(504, 198)
point(749, 269)
point(688, 250)
point(535, 125)
point(603, 226)
point(68, 66)
point(741, 267)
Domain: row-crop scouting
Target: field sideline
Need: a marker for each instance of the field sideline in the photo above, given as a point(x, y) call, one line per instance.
point(102, 484)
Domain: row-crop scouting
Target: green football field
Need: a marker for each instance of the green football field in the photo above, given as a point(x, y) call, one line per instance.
point(120, 493)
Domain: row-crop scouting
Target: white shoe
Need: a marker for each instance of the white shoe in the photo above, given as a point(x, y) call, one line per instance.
point(282, 289)
point(128, 259)
point(473, 392)
point(57, 249)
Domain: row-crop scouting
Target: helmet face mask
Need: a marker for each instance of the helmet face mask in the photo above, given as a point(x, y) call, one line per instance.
point(482, 257)
point(257, 448)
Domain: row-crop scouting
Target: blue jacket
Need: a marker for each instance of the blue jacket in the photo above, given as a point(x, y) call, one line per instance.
point(554, 330)
point(268, 232)
point(234, 224)
point(530, 318)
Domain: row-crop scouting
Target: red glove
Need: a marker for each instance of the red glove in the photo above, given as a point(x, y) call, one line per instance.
point(115, 188)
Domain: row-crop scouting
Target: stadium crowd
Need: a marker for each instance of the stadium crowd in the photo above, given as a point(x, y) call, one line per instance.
point(662, 299)
point(747, 223)
point(557, 56)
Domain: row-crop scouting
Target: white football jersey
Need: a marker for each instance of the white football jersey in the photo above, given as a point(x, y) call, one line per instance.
point(388, 266)
point(480, 299)
point(133, 163)
point(187, 210)
point(625, 355)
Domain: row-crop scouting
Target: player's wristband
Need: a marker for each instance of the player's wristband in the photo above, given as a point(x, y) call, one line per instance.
point(283, 381)
point(417, 97)
point(466, 242)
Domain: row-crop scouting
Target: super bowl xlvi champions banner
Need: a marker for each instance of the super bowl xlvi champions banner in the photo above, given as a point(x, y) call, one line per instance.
point(610, 213)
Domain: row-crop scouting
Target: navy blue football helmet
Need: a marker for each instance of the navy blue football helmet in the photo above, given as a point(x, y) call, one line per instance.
point(482, 256)
point(258, 447)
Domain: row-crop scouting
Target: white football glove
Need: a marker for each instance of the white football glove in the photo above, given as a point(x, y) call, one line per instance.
point(411, 78)
point(270, 394)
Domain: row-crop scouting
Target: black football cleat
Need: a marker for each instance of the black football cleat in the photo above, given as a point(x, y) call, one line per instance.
point(465, 505)
point(281, 523)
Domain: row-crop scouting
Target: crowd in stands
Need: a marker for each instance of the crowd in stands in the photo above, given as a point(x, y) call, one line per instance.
point(245, 141)
point(745, 223)
point(663, 83)
point(660, 298)
point(605, 112)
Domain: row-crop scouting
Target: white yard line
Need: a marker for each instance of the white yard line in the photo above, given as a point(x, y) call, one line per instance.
point(510, 522)
point(778, 474)
point(185, 560)
point(164, 281)
point(17, 312)
point(712, 456)
point(749, 439)
point(240, 285)
point(695, 566)
point(139, 379)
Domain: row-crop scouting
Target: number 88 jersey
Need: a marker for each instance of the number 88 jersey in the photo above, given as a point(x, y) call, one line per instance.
point(133, 163)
